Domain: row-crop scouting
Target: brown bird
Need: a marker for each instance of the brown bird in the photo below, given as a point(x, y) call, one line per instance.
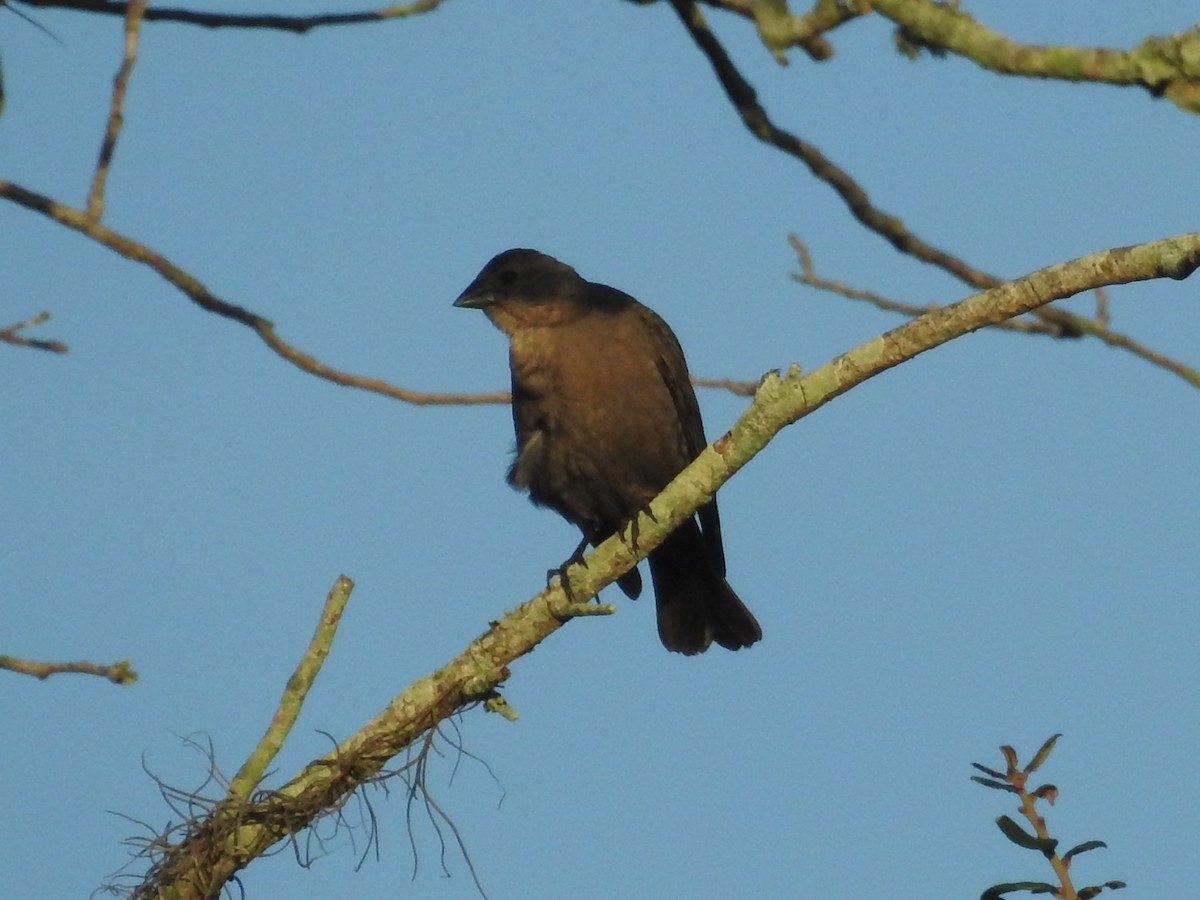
point(605, 417)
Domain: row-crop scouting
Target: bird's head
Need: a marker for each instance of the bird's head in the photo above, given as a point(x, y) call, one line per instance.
point(526, 289)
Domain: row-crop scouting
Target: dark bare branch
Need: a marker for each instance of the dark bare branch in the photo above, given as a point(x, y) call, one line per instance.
point(745, 100)
point(1058, 323)
point(195, 290)
point(294, 24)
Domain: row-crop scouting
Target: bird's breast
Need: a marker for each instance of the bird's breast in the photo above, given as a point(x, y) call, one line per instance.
point(597, 431)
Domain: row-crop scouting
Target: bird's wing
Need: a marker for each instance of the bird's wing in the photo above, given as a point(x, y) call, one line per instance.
point(673, 368)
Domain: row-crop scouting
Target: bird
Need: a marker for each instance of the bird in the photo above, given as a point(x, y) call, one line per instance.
point(605, 417)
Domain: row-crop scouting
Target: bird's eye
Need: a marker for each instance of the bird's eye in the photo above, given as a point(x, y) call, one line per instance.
point(508, 276)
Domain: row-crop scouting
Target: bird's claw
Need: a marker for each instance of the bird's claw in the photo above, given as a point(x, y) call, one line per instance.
point(634, 529)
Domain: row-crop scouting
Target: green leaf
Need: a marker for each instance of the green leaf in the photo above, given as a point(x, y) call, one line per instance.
point(996, 891)
point(992, 783)
point(1083, 848)
point(1023, 838)
point(1088, 893)
point(1047, 792)
point(986, 771)
point(1042, 754)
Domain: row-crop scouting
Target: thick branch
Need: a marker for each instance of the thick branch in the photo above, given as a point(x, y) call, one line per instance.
point(1096, 327)
point(215, 850)
point(1166, 67)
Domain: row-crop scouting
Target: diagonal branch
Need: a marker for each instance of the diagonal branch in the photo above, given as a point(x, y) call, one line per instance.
point(294, 24)
point(1096, 327)
point(1059, 323)
point(745, 100)
point(216, 848)
point(195, 290)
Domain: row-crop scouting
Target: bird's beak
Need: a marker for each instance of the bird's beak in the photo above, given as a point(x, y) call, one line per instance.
point(471, 299)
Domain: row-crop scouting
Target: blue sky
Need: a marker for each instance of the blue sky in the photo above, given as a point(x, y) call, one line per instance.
point(991, 544)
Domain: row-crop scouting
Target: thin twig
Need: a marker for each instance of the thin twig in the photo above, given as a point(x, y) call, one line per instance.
point(294, 24)
point(1164, 66)
point(733, 385)
point(116, 117)
point(11, 334)
point(1102, 311)
point(36, 24)
point(1097, 327)
point(118, 673)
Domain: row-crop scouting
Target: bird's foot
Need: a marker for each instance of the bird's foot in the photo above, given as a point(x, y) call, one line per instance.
point(632, 529)
point(561, 571)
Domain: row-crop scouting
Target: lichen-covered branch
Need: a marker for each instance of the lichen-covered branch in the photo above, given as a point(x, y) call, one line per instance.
point(779, 28)
point(236, 832)
point(251, 772)
point(1164, 66)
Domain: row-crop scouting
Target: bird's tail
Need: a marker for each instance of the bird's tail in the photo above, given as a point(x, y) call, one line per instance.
point(696, 606)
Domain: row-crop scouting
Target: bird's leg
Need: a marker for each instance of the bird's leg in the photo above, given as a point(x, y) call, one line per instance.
point(561, 571)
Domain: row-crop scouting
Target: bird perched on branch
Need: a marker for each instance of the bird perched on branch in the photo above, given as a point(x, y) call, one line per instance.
point(606, 417)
